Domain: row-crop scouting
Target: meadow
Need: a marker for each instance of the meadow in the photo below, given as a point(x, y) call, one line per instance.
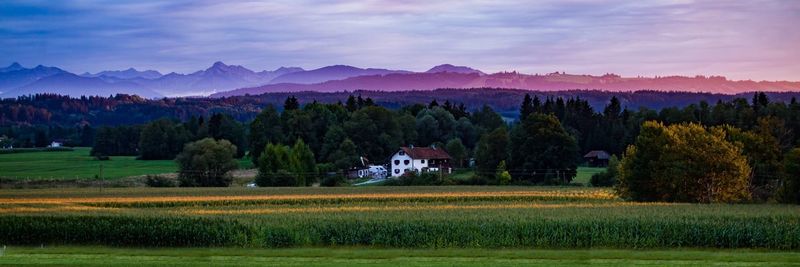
point(386, 217)
point(78, 164)
point(355, 256)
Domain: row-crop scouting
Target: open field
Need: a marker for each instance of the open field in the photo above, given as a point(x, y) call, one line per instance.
point(403, 217)
point(103, 256)
point(585, 174)
point(78, 164)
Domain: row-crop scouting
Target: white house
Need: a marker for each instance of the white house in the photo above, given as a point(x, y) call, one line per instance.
point(420, 159)
point(55, 144)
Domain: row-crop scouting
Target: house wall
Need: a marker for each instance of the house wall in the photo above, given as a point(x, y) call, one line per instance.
point(399, 165)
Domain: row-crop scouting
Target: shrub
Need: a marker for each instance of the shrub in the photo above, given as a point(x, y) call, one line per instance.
point(333, 180)
point(790, 192)
point(159, 181)
point(607, 177)
point(502, 176)
point(425, 178)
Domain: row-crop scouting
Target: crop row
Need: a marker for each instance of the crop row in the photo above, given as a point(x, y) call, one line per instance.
point(775, 232)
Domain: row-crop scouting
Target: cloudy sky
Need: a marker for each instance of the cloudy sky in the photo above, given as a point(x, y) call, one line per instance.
point(757, 40)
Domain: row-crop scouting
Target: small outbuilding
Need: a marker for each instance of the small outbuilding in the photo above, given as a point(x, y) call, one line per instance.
point(597, 158)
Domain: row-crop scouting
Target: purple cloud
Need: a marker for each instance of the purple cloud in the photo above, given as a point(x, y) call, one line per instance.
point(738, 39)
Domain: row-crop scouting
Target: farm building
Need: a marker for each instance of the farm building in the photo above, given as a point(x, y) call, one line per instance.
point(365, 170)
point(420, 159)
point(597, 158)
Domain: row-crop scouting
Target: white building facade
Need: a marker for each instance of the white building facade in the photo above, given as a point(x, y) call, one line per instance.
point(422, 159)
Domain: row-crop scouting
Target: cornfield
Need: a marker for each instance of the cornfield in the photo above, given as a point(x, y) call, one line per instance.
point(410, 217)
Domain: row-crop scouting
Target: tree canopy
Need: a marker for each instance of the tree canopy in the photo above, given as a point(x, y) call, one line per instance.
point(683, 163)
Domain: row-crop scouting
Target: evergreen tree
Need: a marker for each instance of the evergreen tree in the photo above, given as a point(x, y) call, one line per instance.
point(291, 103)
point(41, 140)
point(265, 128)
point(526, 108)
point(351, 104)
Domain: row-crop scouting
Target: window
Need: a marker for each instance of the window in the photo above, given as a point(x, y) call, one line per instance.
point(397, 171)
point(422, 161)
point(396, 162)
point(405, 162)
point(402, 153)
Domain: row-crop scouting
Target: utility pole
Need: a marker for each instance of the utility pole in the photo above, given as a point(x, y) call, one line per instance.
point(101, 178)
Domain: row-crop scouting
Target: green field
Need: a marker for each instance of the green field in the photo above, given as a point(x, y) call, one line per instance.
point(585, 174)
point(103, 256)
point(399, 217)
point(78, 164)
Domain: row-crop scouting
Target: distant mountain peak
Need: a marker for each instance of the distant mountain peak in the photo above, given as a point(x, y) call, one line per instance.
point(14, 66)
point(454, 69)
point(285, 69)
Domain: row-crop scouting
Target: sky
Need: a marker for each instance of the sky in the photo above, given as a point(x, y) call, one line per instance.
point(757, 40)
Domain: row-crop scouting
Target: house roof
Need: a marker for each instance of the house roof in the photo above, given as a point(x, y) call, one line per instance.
point(425, 153)
point(600, 154)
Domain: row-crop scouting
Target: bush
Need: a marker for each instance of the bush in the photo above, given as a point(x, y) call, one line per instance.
point(279, 178)
point(790, 192)
point(607, 177)
point(333, 180)
point(425, 178)
point(159, 181)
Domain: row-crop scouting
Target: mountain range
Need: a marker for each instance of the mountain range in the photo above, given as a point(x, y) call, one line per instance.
point(222, 80)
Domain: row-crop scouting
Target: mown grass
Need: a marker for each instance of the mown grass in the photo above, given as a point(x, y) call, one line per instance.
point(360, 256)
point(408, 217)
point(78, 164)
point(585, 175)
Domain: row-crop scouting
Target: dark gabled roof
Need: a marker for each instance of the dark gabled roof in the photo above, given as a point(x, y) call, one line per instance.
point(425, 153)
point(599, 154)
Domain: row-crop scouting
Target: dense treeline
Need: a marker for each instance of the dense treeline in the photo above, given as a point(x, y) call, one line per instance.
point(543, 147)
point(164, 138)
point(97, 111)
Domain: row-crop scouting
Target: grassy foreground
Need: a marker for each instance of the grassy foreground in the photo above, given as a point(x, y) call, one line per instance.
point(398, 217)
point(77, 164)
point(103, 256)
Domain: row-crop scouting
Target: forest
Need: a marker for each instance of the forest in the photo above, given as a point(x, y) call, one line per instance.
point(544, 147)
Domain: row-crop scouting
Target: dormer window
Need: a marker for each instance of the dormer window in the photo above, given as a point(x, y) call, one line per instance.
point(422, 161)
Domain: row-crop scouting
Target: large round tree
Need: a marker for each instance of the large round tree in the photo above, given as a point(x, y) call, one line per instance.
point(207, 162)
point(683, 163)
point(542, 151)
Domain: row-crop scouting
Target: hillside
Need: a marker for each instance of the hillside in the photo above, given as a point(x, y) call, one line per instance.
point(515, 80)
